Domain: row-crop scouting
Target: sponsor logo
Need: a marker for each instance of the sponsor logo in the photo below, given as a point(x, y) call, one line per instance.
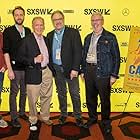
point(3, 27)
point(39, 11)
point(123, 59)
point(84, 105)
point(124, 44)
point(38, 105)
point(120, 28)
point(68, 11)
point(125, 11)
point(121, 105)
point(6, 90)
point(9, 11)
point(93, 10)
point(77, 27)
point(137, 104)
point(119, 90)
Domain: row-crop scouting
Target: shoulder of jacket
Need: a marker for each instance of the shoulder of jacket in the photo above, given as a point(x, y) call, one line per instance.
point(51, 32)
point(27, 28)
point(88, 36)
point(10, 28)
point(108, 33)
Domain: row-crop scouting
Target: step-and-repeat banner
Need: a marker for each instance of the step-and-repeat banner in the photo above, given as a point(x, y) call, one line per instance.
point(119, 17)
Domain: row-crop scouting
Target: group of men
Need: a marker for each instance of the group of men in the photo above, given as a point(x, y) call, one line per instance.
point(32, 61)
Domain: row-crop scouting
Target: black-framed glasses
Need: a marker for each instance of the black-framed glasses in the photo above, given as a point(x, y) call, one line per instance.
point(58, 19)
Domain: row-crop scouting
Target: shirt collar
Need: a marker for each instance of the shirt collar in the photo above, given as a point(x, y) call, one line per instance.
point(37, 37)
point(16, 25)
point(22, 34)
point(98, 34)
point(60, 31)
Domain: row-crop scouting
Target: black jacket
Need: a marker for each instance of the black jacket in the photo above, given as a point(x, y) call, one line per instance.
point(26, 53)
point(11, 43)
point(71, 49)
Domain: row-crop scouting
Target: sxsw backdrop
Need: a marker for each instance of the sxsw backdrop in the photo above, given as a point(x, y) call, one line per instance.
point(119, 15)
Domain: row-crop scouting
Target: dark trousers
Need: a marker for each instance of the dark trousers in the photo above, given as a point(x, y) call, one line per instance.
point(94, 86)
point(16, 85)
point(61, 87)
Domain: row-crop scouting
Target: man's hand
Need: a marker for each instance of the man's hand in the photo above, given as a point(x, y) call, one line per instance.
point(112, 80)
point(11, 74)
point(2, 70)
point(73, 74)
point(38, 59)
point(82, 76)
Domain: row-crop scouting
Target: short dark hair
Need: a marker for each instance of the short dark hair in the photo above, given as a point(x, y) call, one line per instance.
point(57, 11)
point(19, 8)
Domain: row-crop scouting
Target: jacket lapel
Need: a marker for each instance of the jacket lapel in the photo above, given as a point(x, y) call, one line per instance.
point(35, 44)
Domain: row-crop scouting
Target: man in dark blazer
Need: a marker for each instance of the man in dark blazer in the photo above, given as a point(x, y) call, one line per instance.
point(66, 47)
point(34, 54)
point(12, 40)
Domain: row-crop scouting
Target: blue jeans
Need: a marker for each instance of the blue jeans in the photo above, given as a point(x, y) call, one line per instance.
point(73, 86)
point(1, 84)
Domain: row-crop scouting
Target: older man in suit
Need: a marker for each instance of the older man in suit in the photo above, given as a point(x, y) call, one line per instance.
point(38, 76)
point(66, 47)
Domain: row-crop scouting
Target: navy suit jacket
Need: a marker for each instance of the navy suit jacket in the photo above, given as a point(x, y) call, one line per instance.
point(26, 53)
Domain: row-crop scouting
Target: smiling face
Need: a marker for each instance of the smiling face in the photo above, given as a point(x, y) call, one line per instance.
point(97, 22)
point(18, 16)
point(58, 21)
point(38, 26)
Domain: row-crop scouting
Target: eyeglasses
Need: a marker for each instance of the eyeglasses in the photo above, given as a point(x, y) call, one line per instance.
point(96, 20)
point(59, 19)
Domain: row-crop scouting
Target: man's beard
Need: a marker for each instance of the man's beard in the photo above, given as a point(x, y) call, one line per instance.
point(19, 23)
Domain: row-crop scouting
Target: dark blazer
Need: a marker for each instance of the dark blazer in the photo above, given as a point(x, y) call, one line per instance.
point(11, 43)
point(26, 53)
point(71, 49)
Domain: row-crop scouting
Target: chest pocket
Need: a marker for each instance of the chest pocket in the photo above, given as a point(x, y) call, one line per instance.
point(105, 46)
